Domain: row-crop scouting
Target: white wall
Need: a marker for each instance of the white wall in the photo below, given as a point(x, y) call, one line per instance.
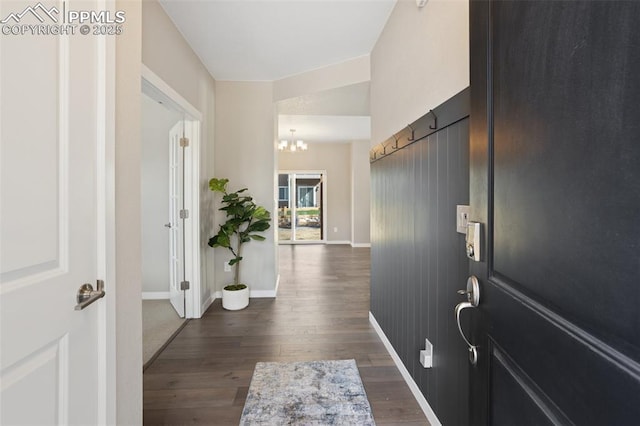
point(169, 56)
point(420, 60)
point(360, 193)
point(157, 121)
point(128, 321)
point(245, 153)
point(349, 72)
point(335, 158)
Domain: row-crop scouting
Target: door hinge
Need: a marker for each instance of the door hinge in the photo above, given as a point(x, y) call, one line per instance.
point(184, 142)
point(184, 214)
point(184, 285)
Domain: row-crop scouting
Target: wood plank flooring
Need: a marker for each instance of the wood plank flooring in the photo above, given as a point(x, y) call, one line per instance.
point(321, 313)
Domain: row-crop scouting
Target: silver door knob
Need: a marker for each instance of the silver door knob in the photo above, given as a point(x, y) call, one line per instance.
point(473, 299)
point(167, 225)
point(87, 295)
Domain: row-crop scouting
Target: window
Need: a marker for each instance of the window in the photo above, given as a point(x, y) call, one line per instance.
point(283, 193)
point(306, 196)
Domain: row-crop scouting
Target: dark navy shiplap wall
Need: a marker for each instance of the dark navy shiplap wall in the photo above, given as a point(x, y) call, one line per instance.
point(418, 259)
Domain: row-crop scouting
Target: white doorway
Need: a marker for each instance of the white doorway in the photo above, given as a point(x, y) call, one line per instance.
point(170, 198)
point(302, 207)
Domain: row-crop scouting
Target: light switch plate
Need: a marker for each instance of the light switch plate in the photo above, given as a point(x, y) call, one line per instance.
point(462, 218)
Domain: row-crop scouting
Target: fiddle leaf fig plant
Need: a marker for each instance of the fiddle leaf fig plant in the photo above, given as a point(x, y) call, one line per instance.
point(245, 220)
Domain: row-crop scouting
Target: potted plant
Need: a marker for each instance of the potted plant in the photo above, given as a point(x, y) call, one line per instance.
point(245, 220)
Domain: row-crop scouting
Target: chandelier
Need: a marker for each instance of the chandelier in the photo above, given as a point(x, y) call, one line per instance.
point(292, 145)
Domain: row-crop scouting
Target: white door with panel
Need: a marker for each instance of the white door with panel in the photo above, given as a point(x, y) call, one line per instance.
point(177, 217)
point(55, 129)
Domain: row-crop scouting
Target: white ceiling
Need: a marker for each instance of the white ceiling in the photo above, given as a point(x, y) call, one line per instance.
point(265, 40)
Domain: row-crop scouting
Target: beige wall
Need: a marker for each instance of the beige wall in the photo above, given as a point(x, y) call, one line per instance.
point(360, 197)
point(128, 321)
point(420, 60)
point(349, 72)
point(335, 158)
point(245, 154)
point(169, 56)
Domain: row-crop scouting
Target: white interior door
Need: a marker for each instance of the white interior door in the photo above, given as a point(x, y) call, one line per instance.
point(53, 131)
point(176, 227)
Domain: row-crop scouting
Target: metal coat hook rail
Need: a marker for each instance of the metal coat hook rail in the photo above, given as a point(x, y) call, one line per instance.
point(456, 109)
point(435, 120)
point(413, 135)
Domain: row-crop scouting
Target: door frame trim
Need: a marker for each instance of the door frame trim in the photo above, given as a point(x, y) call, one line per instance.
point(193, 121)
point(324, 240)
point(106, 223)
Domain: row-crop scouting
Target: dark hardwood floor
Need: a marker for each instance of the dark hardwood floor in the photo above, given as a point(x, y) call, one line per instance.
point(321, 313)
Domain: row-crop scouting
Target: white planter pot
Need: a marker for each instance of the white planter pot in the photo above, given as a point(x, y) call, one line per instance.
point(235, 299)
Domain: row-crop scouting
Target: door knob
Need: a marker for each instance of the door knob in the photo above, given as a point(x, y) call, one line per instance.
point(473, 299)
point(472, 292)
point(167, 225)
point(87, 295)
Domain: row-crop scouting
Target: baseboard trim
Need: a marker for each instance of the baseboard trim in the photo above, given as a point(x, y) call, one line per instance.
point(256, 294)
point(300, 242)
point(155, 295)
point(253, 294)
point(361, 245)
point(422, 401)
point(207, 303)
point(339, 242)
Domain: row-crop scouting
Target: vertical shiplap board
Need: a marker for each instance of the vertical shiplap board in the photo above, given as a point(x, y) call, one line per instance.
point(418, 261)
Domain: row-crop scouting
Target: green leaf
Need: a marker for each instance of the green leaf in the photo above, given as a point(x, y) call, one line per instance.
point(235, 210)
point(261, 213)
point(234, 261)
point(259, 226)
point(223, 240)
point(257, 237)
point(228, 198)
point(218, 185)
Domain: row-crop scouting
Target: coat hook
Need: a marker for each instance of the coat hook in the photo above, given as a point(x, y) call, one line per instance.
point(435, 120)
point(384, 149)
point(396, 145)
point(412, 137)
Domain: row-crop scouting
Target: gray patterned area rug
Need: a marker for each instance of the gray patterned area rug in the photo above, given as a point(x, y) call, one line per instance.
point(307, 393)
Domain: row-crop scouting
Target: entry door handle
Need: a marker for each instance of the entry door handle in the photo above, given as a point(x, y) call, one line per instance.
point(87, 295)
point(473, 299)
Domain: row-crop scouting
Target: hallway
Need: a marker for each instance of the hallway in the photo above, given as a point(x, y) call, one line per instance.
point(321, 313)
